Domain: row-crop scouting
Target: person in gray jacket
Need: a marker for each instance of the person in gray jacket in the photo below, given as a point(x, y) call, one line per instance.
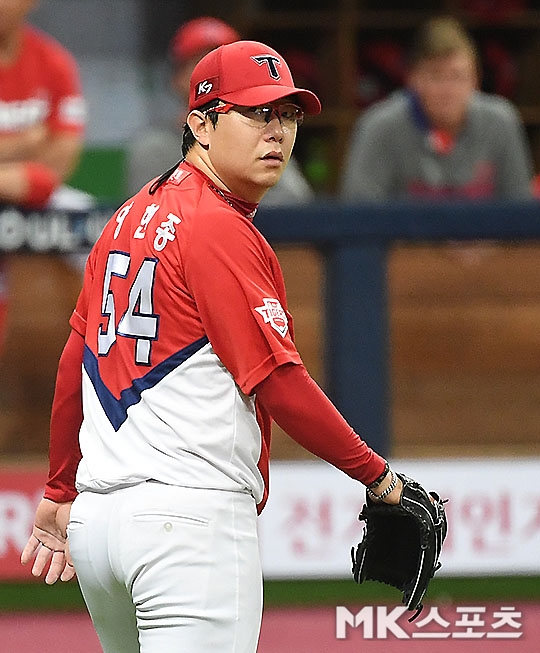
point(440, 137)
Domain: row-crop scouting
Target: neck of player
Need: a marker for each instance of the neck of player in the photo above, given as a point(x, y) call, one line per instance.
point(199, 157)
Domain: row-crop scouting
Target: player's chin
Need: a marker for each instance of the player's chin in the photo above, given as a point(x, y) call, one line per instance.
point(268, 183)
point(269, 175)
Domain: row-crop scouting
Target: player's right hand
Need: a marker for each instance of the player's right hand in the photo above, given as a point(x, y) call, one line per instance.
point(48, 543)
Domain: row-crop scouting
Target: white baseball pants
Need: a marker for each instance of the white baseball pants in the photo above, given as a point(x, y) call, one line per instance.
point(166, 569)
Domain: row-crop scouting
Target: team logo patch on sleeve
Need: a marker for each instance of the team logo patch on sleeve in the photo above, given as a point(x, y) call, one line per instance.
point(274, 315)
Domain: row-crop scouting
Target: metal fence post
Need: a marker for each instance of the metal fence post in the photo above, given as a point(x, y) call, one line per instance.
point(356, 338)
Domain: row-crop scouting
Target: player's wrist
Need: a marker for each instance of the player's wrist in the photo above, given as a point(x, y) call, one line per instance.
point(377, 482)
point(394, 497)
point(387, 490)
point(387, 485)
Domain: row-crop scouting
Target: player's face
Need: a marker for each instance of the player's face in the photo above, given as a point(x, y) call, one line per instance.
point(444, 86)
point(250, 146)
point(12, 15)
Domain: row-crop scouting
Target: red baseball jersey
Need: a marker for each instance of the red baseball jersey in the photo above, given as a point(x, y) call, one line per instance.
point(41, 86)
point(183, 312)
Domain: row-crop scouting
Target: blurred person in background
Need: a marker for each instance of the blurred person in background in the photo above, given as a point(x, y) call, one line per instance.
point(42, 121)
point(439, 138)
point(160, 145)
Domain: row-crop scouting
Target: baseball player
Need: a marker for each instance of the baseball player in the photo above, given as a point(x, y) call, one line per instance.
point(181, 352)
point(42, 116)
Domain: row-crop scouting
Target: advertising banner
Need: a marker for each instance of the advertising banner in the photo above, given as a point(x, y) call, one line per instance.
point(20, 492)
point(310, 522)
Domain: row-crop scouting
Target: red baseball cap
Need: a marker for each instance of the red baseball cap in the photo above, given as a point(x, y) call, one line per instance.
point(200, 35)
point(246, 73)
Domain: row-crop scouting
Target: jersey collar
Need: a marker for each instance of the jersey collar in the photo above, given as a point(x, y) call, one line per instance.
point(245, 208)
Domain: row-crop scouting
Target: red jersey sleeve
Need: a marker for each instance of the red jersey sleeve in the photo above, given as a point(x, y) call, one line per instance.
point(238, 286)
point(301, 408)
point(66, 419)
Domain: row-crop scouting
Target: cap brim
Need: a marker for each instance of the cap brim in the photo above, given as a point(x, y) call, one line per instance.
point(262, 94)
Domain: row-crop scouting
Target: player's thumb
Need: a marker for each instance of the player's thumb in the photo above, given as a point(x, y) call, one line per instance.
point(69, 570)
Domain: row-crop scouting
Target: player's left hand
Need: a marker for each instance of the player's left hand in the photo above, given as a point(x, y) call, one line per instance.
point(402, 542)
point(48, 542)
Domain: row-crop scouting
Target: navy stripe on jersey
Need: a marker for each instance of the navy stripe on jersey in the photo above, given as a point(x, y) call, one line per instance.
point(116, 409)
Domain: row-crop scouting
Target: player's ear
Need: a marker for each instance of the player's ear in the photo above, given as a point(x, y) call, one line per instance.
point(198, 124)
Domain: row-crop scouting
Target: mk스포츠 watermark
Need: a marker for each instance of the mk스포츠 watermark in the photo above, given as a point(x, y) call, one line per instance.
point(457, 622)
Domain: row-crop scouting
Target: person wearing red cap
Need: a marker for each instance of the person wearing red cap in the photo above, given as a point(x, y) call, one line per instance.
point(158, 147)
point(191, 42)
point(181, 353)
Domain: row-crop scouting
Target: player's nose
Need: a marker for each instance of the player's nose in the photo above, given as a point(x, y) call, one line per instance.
point(274, 129)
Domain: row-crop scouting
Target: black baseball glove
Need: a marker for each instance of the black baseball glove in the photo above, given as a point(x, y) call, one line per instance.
point(402, 543)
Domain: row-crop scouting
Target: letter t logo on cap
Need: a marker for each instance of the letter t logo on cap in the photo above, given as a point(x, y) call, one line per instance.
point(271, 61)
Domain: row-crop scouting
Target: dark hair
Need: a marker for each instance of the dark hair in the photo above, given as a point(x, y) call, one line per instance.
point(441, 36)
point(188, 141)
